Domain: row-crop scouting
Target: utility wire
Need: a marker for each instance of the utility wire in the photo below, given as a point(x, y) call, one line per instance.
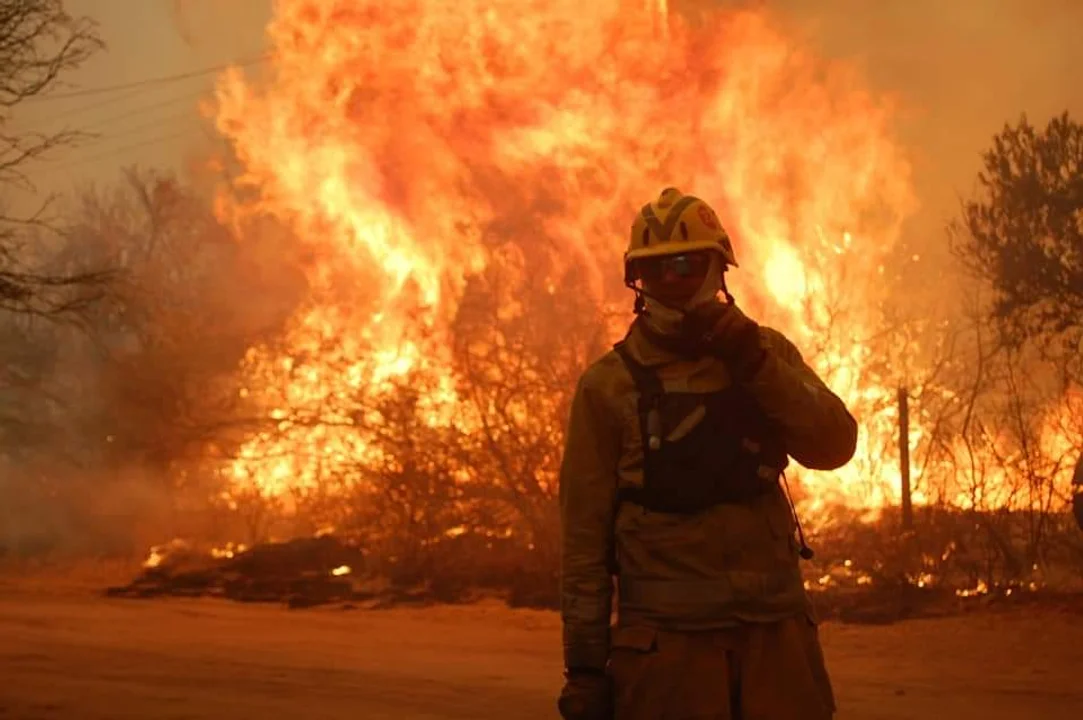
point(142, 110)
point(109, 142)
point(147, 82)
point(113, 152)
point(156, 123)
point(102, 103)
point(134, 89)
point(118, 120)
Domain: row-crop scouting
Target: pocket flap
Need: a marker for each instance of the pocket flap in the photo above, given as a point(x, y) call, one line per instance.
point(642, 639)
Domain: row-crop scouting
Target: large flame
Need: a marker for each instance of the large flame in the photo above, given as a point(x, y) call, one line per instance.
point(395, 137)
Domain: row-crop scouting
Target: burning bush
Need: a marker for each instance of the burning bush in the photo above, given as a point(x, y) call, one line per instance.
point(428, 248)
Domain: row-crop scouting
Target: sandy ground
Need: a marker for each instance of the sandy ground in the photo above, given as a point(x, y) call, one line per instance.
point(76, 655)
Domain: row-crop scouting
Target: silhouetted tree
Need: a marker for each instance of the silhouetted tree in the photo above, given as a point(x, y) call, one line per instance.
point(187, 302)
point(1023, 233)
point(39, 42)
point(1022, 238)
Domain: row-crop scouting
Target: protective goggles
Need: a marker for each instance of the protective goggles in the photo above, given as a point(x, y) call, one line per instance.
point(686, 265)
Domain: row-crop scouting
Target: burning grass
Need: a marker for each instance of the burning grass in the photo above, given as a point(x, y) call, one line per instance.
point(308, 572)
point(953, 562)
point(302, 573)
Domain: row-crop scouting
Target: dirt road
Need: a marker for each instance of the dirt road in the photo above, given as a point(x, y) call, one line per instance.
point(79, 656)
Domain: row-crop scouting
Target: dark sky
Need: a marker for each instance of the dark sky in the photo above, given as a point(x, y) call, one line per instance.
point(960, 69)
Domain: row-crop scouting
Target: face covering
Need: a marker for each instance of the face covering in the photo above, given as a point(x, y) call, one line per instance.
point(666, 320)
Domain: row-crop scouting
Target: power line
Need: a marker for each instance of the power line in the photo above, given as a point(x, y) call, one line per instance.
point(64, 118)
point(102, 103)
point(155, 123)
point(117, 120)
point(142, 110)
point(90, 143)
point(113, 152)
point(134, 89)
point(108, 142)
point(160, 80)
point(124, 130)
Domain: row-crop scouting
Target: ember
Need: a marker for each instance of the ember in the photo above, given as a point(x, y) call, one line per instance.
point(301, 573)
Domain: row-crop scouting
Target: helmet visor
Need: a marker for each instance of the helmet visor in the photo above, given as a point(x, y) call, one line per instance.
point(682, 267)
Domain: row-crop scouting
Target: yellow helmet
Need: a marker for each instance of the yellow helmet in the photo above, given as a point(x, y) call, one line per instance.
point(677, 223)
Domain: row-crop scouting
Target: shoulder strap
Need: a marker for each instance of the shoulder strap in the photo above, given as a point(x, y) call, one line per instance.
point(647, 382)
point(651, 390)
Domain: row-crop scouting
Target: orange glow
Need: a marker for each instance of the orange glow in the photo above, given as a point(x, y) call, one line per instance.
point(398, 138)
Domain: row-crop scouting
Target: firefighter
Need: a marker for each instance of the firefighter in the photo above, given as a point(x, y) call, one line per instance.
point(673, 498)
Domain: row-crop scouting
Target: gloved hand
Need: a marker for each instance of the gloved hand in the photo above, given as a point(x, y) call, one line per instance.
point(587, 695)
point(725, 332)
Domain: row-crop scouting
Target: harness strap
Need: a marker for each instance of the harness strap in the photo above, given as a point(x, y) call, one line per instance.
point(647, 382)
point(650, 389)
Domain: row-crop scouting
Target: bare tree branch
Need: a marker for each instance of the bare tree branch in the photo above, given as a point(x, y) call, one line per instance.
point(39, 41)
